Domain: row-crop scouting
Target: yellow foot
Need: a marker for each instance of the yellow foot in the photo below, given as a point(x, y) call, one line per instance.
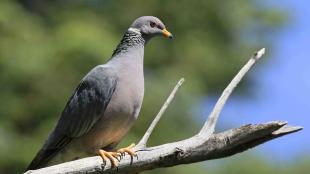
point(128, 149)
point(112, 156)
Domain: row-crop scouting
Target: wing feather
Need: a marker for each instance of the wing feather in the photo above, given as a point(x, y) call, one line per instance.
point(84, 108)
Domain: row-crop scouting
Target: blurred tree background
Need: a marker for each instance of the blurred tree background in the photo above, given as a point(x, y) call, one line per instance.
point(46, 47)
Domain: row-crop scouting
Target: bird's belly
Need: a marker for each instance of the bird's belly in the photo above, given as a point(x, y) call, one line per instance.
point(115, 123)
point(107, 132)
point(112, 127)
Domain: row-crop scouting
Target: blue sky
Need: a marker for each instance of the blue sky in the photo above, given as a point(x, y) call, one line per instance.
point(282, 86)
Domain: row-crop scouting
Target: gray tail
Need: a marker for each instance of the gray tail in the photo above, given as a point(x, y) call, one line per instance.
point(47, 153)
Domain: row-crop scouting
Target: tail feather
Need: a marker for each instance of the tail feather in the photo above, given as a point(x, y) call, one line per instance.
point(42, 158)
point(48, 152)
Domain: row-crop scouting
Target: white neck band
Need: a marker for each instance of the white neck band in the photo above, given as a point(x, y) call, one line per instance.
point(135, 30)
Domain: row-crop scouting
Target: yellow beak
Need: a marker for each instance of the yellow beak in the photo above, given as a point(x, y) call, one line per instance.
point(167, 34)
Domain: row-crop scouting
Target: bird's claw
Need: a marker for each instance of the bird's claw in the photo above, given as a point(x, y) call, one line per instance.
point(128, 150)
point(109, 156)
point(118, 155)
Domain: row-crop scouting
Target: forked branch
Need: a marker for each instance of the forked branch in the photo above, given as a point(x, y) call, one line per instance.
point(209, 126)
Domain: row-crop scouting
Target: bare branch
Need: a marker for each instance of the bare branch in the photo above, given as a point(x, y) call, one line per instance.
point(143, 141)
point(209, 126)
point(183, 152)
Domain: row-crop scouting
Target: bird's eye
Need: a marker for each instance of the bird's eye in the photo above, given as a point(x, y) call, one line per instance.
point(152, 24)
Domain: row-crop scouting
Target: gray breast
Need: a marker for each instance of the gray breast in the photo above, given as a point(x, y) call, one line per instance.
point(123, 108)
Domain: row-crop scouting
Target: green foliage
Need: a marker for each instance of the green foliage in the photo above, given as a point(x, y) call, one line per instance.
point(46, 47)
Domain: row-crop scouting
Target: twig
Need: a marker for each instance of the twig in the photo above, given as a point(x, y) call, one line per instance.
point(209, 126)
point(143, 141)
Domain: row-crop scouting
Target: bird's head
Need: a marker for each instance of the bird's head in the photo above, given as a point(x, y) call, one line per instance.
point(150, 26)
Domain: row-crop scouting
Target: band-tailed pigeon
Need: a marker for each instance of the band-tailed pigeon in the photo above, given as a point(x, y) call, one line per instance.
point(105, 104)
